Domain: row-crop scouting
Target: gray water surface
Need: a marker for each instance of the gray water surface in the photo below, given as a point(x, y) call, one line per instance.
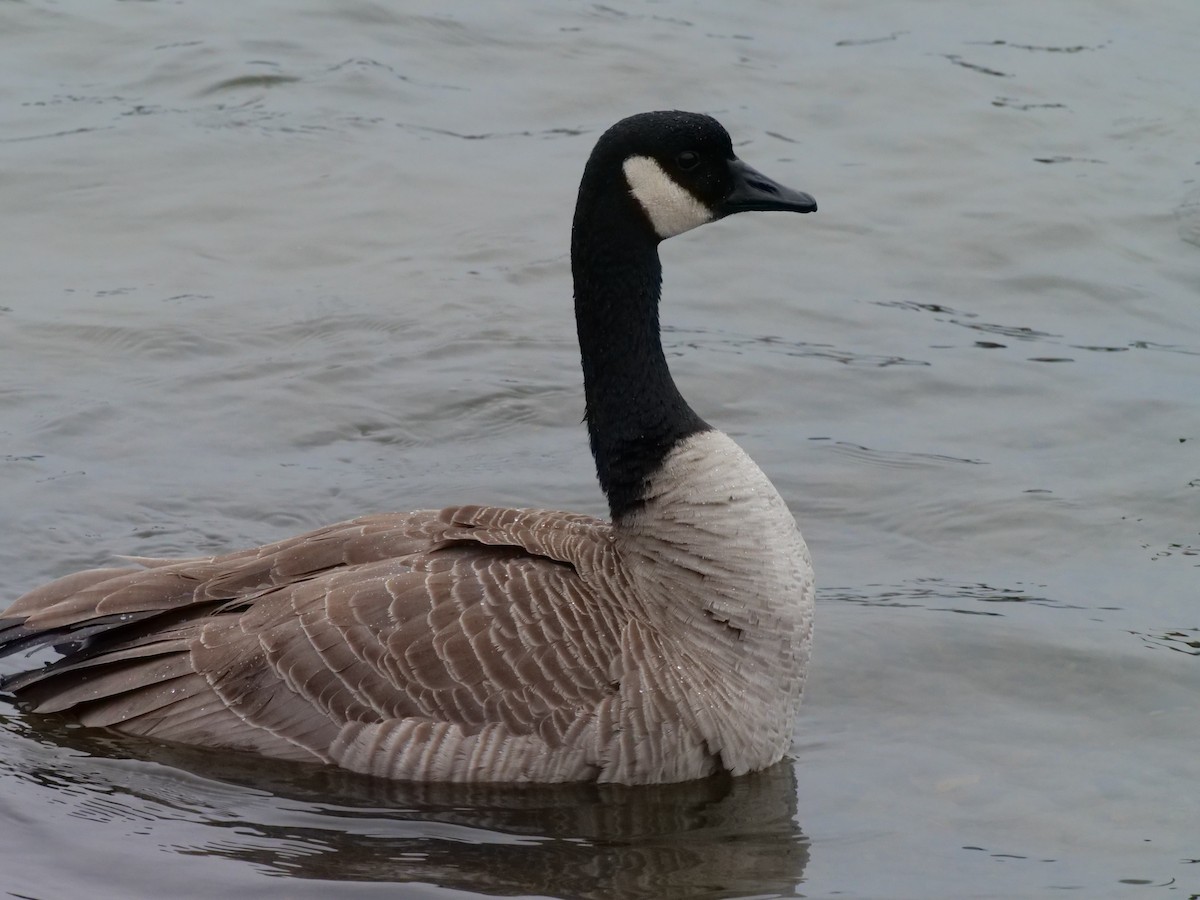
point(272, 265)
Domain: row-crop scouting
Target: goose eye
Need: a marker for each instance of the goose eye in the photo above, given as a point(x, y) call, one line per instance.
point(688, 160)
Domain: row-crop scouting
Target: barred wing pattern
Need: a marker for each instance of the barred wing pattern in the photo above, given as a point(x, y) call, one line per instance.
point(459, 644)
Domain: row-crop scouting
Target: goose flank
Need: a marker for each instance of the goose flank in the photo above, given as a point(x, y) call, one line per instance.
point(485, 644)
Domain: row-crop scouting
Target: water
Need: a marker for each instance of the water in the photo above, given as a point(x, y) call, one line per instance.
point(272, 265)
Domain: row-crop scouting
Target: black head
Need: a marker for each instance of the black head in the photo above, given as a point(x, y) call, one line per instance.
point(681, 170)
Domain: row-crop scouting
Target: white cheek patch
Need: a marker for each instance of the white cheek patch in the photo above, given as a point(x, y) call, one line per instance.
point(671, 208)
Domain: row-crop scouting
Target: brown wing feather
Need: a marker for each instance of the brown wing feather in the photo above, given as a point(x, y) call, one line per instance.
point(467, 628)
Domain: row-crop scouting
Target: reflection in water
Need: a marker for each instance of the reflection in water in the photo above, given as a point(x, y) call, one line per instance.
point(719, 340)
point(1188, 215)
point(722, 837)
point(1181, 640)
point(934, 593)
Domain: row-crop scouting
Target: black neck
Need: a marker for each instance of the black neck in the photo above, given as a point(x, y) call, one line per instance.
point(635, 414)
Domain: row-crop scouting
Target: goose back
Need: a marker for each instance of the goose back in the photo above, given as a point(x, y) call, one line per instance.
point(463, 644)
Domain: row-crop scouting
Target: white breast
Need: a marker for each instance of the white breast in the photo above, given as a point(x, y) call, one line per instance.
point(718, 555)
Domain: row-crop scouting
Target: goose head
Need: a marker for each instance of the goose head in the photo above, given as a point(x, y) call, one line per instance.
point(650, 177)
point(676, 171)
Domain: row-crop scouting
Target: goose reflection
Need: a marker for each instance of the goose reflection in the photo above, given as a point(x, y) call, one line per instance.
point(718, 837)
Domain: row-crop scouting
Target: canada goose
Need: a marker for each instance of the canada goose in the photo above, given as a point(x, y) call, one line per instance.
point(483, 644)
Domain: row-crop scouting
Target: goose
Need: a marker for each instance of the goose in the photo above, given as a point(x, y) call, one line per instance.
point(484, 644)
